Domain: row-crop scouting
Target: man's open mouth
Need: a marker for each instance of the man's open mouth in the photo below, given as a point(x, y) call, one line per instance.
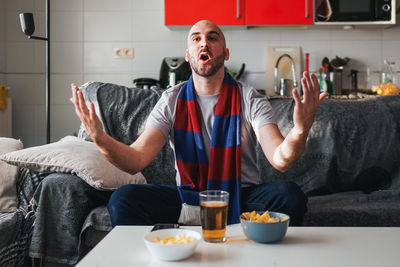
point(204, 57)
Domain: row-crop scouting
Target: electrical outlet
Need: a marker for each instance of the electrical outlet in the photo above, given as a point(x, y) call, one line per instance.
point(123, 52)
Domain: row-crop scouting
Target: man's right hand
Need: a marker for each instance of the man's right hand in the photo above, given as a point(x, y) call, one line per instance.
point(131, 158)
point(88, 116)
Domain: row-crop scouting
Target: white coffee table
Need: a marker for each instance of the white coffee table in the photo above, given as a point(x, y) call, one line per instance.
point(302, 246)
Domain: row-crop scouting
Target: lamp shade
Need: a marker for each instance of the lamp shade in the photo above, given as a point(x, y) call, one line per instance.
point(27, 24)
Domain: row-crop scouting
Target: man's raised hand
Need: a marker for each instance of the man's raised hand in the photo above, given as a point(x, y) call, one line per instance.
point(305, 109)
point(88, 116)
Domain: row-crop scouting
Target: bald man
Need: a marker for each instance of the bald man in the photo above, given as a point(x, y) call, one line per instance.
point(214, 123)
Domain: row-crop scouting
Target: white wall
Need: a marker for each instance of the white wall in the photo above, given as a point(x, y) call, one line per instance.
point(3, 12)
point(85, 32)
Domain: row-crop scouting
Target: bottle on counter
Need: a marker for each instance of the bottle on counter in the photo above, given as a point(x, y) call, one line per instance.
point(324, 82)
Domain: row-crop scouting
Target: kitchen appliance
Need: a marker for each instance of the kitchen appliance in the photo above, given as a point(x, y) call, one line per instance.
point(173, 71)
point(338, 65)
point(360, 10)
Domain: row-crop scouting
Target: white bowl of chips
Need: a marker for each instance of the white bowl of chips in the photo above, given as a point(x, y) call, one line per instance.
point(172, 244)
point(264, 227)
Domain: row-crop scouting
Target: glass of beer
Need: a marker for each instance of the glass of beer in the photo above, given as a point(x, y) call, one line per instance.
point(214, 214)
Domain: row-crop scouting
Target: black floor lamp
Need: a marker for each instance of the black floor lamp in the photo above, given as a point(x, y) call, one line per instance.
point(28, 27)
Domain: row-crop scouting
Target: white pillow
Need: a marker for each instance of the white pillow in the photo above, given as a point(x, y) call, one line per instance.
point(8, 176)
point(77, 156)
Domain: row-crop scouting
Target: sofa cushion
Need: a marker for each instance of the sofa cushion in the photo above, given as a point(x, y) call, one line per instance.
point(8, 176)
point(76, 156)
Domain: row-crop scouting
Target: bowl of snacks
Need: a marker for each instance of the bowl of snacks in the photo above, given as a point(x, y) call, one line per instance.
point(264, 227)
point(172, 244)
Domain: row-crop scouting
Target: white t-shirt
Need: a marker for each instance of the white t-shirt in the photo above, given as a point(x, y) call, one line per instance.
point(256, 112)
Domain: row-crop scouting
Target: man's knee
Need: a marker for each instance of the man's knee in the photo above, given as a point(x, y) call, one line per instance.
point(293, 194)
point(295, 201)
point(286, 197)
point(137, 204)
point(127, 195)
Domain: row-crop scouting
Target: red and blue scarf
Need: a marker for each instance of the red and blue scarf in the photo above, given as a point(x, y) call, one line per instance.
point(223, 169)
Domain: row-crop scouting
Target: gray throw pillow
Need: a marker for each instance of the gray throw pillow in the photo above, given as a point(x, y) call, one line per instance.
point(74, 155)
point(8, 176)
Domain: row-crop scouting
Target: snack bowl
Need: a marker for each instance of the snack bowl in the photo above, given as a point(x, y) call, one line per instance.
point(265, 232)
point(171, 252)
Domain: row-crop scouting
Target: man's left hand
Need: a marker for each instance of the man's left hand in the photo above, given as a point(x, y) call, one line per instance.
point(305, 109)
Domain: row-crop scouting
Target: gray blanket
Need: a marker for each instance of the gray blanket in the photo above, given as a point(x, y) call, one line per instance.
point(65, 203)
point(353, 146)
point(16, 227)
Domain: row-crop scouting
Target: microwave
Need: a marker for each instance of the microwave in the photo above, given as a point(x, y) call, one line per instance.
point(359, 10)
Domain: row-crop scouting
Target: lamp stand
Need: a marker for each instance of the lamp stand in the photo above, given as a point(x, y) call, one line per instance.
point(28, 27)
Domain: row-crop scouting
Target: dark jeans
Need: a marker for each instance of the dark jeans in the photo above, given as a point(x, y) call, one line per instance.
point(148, 204)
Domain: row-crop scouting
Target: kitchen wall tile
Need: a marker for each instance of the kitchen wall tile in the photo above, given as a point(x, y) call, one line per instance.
point(40, 5)
point(252, 53)
point(23, 121)
point(99, 58)
point(59, 5)
point(140, 5)
point(27, 89)
point(61, 87)
point(3, 22)
point(3, 39)
point(306, 35)
point(40, 124)
point(392, 33)
point(3, 56)
point(70, 5)
point(256, 35)
point(20, 57)
point(40, 56)
point(107, 5)
point(107, 26)
point(148, 27)
point(64, 122)
point(356, 35)
point(149, 56)
point(66, 58)
point(20, 5)
point(362, 54)
point(255, 79)
point(66, 26)
point(121, 79)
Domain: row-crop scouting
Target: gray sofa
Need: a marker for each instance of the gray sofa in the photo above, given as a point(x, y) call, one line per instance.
point(349, 170)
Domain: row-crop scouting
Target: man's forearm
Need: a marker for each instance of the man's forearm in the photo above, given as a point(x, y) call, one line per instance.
point(290, 150)
point(119, 154)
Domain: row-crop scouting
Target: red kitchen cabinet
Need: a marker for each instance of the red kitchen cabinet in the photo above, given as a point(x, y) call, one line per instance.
point(188, 12)
point(239, 12)
point(275, 12)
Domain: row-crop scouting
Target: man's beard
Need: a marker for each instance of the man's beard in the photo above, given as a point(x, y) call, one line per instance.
point(216, 64)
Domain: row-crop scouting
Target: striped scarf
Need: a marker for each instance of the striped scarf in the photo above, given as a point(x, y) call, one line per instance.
point(223, 170)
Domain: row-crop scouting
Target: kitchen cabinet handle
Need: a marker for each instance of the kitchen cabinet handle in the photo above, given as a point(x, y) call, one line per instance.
point(307, 15)
point(238, 9)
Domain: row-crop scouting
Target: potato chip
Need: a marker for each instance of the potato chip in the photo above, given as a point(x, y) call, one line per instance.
point(172, 240)
point(264, 218)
